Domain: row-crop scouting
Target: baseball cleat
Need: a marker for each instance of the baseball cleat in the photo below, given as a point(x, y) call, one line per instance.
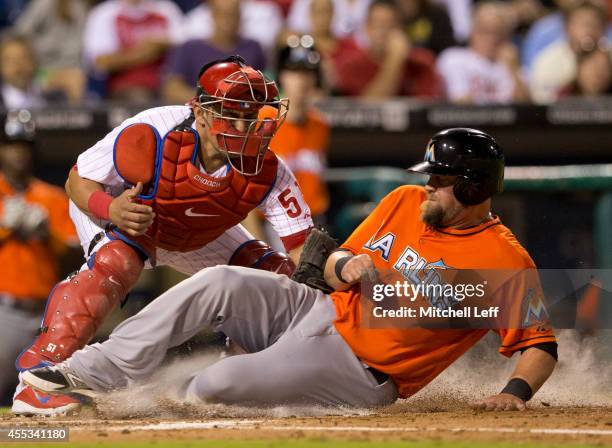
point(29, 402)
point(57, 379)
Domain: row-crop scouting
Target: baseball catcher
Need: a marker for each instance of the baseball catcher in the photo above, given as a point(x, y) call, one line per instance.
point(305, 346)
point(170, 186)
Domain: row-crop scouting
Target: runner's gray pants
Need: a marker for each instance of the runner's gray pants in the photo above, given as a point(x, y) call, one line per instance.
point(295, 355)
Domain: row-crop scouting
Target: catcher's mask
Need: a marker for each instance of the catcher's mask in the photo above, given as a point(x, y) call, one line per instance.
point(233, 92)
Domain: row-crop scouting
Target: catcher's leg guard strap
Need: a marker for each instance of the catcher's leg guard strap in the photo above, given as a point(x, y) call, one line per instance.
point(258, 255)
point(77, 306)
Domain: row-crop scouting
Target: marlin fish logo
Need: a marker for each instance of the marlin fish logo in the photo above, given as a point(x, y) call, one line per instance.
point(430, 156)
point(534, 309)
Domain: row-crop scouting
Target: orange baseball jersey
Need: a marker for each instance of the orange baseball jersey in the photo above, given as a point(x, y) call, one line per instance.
point(395, 238)
point(29, 268)
point(303, 148)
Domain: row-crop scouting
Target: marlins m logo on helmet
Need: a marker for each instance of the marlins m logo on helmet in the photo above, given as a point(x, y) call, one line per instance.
point(430, 155)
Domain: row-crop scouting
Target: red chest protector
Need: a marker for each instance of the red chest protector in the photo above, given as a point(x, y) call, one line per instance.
point(191, 207)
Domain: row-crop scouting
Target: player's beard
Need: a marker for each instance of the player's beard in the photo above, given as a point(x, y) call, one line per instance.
point(432, 214)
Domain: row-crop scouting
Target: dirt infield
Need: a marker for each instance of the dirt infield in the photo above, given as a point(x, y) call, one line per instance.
point(573, 409)
point(540, 426)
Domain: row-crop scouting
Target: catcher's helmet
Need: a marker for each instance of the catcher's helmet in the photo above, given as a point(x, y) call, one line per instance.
point(18, 126)
point(228, 86)
point(470, 154)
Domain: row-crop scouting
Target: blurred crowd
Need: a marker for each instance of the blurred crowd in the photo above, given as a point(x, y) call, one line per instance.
point(463, 51)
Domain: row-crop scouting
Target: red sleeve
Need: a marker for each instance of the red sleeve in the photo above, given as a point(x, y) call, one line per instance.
point(296, 240)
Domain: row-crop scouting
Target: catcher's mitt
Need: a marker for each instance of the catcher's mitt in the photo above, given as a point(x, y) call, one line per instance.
point(317, 248)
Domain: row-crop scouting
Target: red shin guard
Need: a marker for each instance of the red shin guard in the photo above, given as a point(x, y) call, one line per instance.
point(77, 306)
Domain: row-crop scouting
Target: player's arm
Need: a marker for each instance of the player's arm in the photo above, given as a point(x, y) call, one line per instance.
point(343, 269)
point(284, 207)
point(123, 211)
point(534, 367)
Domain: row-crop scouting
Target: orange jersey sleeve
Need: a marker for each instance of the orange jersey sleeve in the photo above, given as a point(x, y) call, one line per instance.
point(530, 319)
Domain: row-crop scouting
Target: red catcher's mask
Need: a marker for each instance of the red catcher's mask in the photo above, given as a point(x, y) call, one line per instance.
point(233, 94)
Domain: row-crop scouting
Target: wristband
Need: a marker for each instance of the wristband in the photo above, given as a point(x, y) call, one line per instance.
point(339, 266)
point(519, 388)
point(99, 203)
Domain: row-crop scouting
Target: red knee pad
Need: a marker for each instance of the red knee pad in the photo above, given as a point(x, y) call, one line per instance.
point(77, 306)
point(258, 255)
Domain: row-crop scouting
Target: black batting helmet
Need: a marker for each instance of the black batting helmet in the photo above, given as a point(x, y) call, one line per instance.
point(472, 155)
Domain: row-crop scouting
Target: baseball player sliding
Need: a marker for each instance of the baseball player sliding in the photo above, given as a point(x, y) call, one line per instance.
point(170, 187)
point(308, 347)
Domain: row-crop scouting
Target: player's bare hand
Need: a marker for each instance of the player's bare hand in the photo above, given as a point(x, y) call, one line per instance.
point(130, 216)
point(501, 402)
point(358, 267)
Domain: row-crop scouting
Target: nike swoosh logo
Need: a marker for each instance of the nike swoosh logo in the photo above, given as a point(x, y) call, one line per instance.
point(190, 212)
point(44, 399)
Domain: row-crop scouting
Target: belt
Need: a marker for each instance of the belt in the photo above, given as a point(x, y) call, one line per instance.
point(379, 376)
point(31, 305)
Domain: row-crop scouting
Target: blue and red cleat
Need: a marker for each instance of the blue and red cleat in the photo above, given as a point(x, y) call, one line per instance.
point(28, 401)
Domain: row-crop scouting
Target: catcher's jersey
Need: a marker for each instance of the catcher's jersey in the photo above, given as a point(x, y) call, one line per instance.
point(393, 235)
point(284, 206)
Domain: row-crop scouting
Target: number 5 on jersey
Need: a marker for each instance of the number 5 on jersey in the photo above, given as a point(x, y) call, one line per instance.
point(290, 203)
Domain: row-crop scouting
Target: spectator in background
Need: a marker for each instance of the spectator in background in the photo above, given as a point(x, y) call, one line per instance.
point(52, 27)
point(321, 13)
point(487, 70)
point(548, 30)
point(261, 21)
point(126, 41)
point(349, 16)
point(555, 67)
point(381, 62)
point(593, 75)
point(427, 25)
point(17, 70)
point(185, 61)
point(34, 230)
point(303, 139)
